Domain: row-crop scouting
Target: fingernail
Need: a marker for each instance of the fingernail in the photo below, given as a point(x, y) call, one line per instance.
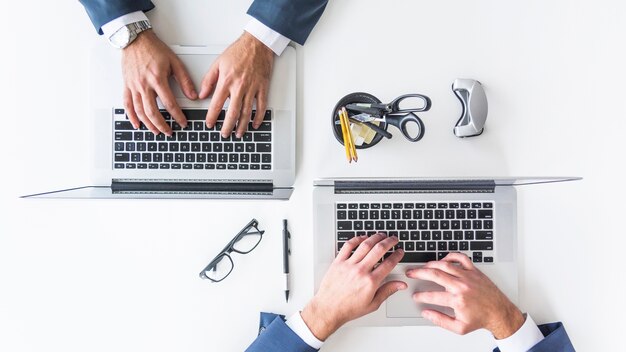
point(256, 125)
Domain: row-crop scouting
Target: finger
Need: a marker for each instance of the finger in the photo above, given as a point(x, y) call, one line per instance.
point(233, 113)
point(460, 258)
point(379, 250)
point(348, 247)
point(440, 298)
point(130, 109)
point(444, 321)
point(446, 266)
point(385, 291)
point(209, 81)
point(184, 80)
point(261, 106)
point(216, 105)
point(138, 104)
point(170, 104)
point(154, 115)
point(365, 247)
point(388, 264)
point(246, 113)
point(435, 275)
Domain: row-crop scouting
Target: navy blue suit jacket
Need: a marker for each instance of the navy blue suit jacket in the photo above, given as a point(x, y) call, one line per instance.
point(293, 19)
point(275, 335)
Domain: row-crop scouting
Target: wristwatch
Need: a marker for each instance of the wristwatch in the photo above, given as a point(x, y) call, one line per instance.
point(127, 34)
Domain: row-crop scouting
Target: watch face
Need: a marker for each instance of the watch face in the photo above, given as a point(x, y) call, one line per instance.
point(121, 38)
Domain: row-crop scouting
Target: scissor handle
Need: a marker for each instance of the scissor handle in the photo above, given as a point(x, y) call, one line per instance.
point(395, 104)
point(401, 122)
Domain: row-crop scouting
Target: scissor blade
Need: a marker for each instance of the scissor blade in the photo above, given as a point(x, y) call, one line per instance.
point(364, 117)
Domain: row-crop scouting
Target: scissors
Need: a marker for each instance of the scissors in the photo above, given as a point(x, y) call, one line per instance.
point(396, 113)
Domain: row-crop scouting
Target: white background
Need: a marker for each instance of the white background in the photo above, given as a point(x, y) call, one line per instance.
point(88, 275)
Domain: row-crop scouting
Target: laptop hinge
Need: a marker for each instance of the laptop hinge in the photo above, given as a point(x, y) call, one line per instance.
point(414, 186)
point(192, 187)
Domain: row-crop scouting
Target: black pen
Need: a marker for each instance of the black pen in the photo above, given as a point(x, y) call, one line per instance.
point(286, 253)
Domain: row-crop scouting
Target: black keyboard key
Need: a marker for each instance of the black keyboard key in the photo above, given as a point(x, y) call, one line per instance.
point(157, 157)
point(358, 225)
point(415, 235)
point(374, 214)
point(484, 235)
point(142, 147)
point(119, 165)
point(190, 158)
point(488, 259)
point(233, 158)
point(428, 214)
point(160, 137)
point(442, 205)
point(375, 205)
point(174, 147)
point(352, 214)
point(453, 246)
point(187, 166)
point(181, 136)
point(179, 157)
point(344, 225)
point(433, 224)
point(420, 205)
point(266, 158)
point(431, 246)
point(146, 157)
point(163, 147)
point(221, 166)
point(390, 225)
point(153, 166)
point(466, 224)
point(431, 205)
point(386, 206)
point(442, 246)
point(363, 214)
point(149, 136)
point(369, 225)
point(476, 205)
point(404, 235)
point(401, 225)
point(488, 224)
point(168, 157)
point(485, 214)
point(344, 235)
point(217, 147)
point(385, 214)
point(138, 136)
point(176, 166)
point(379, 225)
point(412, 225)
point(264, 127)
point(425, 235)
point(341, 214)
point(198, 166)
point(406, 214)
point(458, 235)
point(417, 214)
point(454, 205)
point(263, 147)
point(244, 167)
point(469, 235)
point(130, 146)
point(262, 137)
point(195, 114)
point(464, 246)
point(123, 125)
point(439, 214)
point(465, 205)
point(477, 224)
point(447, 235)
point(441, 255)
point(487, 205)
point(481, 246)
point(409, 246)
point(131, 166)
point(229, 147)
point(164, 166)
point(198, 126)
point(152, 146)
point(201, 158)
point(455, 224)
point(436, 235)
point(195, 147)
point(123, 136)
point(142, 166)
point(418, 257)
point(119, 146)
point(477, 257)
point(122, 157)
point(422, 224)
point(444, 224)
point(420, 246)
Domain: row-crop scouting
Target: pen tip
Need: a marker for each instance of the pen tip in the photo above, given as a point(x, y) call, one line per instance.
point(286, 296)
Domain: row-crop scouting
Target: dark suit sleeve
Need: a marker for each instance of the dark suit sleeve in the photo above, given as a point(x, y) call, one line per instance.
point(555, 339)
point(103, 11)
point(275, 335)
point(293, 19)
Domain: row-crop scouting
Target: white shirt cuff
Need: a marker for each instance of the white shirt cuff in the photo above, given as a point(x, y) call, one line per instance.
point(272, 39)
point(298, 326)
point(113, 26)
point(523, 339)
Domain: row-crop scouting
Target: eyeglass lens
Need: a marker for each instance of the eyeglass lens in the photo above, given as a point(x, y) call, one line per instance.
point(247, 241)
point(220, 269)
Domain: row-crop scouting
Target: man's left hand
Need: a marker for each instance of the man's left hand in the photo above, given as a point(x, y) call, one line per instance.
point(242, 73)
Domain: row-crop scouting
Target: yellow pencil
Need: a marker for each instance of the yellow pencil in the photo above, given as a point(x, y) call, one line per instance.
point(353, 154)
point(344, 133)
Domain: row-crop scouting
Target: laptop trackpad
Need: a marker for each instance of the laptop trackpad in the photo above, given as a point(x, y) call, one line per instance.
point(401, 303)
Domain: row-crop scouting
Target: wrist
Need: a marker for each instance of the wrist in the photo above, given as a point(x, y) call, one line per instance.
point(509, 321)
point(319, 321)
point(143, 37)
point(256, 45)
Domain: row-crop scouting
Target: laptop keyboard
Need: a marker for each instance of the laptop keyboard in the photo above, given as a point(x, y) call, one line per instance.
point(193, 147)
point(426, 230)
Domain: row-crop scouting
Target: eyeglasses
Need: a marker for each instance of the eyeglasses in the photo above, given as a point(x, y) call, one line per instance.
point(243, 243)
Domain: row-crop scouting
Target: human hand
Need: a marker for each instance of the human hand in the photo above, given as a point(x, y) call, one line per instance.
point(352, 286)
point(147, 64)
point(242, 73)
point(476, 301)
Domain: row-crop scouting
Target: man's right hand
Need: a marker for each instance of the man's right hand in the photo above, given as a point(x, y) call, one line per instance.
point(147, 64)
point(353, 285)
point(476, 301)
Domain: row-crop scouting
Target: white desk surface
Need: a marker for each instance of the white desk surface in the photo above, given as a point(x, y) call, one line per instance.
point(81, 275)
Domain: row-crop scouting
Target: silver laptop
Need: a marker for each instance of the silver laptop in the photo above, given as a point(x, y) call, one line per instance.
point(431, 218)
point(197, 162)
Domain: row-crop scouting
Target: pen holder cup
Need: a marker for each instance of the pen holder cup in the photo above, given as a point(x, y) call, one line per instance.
point(350, 99)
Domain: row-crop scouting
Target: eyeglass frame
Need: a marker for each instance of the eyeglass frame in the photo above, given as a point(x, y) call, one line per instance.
point(230, 248)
